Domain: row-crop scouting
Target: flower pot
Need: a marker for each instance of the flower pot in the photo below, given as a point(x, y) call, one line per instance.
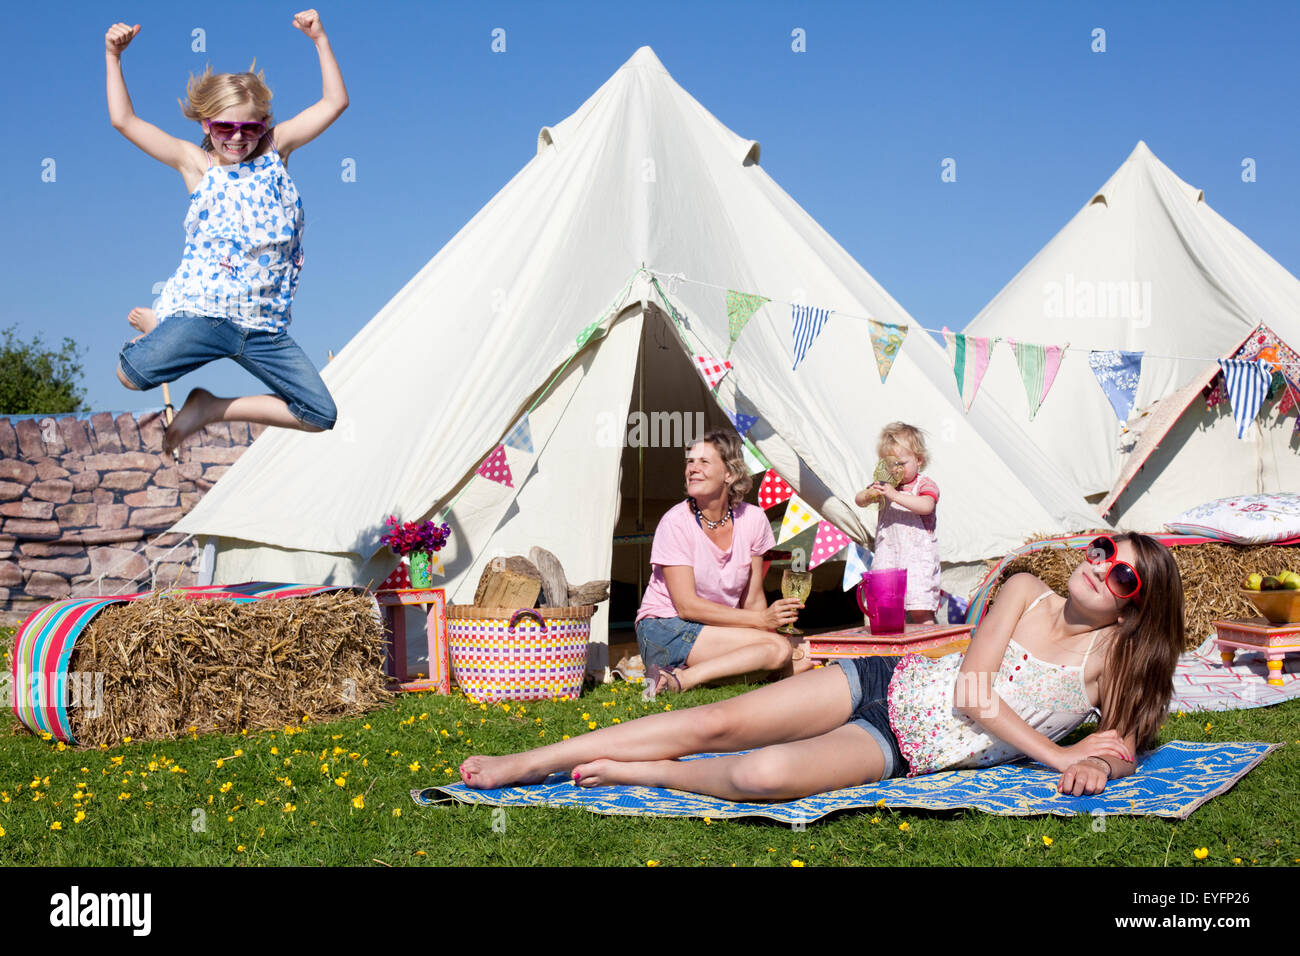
point(419, 569)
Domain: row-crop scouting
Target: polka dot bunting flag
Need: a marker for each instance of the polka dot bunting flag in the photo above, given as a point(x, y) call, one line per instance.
point(400, 579)
point(773, 491)
point(712, 370)
point(830, 542)
point(798, 518)
point(495, 467)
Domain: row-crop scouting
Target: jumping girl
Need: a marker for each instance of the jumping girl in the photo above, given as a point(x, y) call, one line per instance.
point(231, 295)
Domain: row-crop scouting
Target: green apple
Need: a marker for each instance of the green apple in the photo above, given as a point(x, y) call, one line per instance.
point(1253, 582)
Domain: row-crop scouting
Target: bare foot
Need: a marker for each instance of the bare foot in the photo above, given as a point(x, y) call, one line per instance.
point(142, 319)
point(601, 773)
point(800, 660)
point(488, 773)
point(194, 414)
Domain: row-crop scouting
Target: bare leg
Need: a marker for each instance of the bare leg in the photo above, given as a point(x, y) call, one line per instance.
point(727, 651)
point(920, 617)
point(203, 408)
point(806, 706)
point(844, 757)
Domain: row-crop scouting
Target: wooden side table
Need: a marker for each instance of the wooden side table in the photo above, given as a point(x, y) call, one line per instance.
point(1274, 641)
point(433, 601)
point(932, 640)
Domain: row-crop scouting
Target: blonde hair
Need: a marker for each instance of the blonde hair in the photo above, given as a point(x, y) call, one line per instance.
point(732, 452)
point(902, 435)
point(211, 93)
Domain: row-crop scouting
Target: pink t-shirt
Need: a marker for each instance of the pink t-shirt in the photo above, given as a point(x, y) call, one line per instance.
point(720, 576)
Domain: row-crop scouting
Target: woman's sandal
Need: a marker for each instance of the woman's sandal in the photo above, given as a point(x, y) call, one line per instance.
point(652, 675)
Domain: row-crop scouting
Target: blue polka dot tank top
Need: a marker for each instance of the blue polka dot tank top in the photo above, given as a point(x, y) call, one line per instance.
point(243, 246)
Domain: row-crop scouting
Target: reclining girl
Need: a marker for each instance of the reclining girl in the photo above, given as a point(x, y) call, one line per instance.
point(1037, 666)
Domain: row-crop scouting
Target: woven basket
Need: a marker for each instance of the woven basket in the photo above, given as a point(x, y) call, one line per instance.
point(501, 653)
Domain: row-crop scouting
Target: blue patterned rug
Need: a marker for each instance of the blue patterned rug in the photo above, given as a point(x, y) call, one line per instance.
point(1170, 782)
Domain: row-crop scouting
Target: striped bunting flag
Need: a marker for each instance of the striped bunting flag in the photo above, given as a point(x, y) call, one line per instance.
point(808, 324)
point(1038, 367)
point(969, 355)
point(1247, 383)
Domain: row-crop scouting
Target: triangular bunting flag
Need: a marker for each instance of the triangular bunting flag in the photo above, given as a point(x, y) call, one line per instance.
point(435, 565)
point(808, 324)
point(741, 306)
point(742, 421)
point(712, 370)
point(521, 436)
point(1264, 344)
point(1288, 401)
point(829, 542)
point(587, 333)
point(1247, 382)
point(798, 519)
point(1117, 373)
point(773, 491)
point(969, 355)
point(496, 468)
point(753, 460)
point(886, 340)
point(857, 562)
point(400, 579)
point(1038, 366)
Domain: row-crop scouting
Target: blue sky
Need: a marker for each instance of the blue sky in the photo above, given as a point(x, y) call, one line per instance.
point(855, 129)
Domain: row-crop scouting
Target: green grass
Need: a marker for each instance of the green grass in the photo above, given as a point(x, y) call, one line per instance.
point(178, 814)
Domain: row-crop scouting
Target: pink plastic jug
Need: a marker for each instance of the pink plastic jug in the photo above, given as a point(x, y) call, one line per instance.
point(884, 600)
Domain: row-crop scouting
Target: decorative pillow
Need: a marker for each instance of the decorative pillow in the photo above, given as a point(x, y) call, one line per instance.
point(1243, 519)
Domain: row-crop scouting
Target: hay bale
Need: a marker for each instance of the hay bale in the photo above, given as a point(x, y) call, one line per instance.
point(1211, 573)
point(170, 664)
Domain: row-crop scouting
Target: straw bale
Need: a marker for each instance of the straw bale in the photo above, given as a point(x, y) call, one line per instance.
point(170, 664)
point(1212, 577)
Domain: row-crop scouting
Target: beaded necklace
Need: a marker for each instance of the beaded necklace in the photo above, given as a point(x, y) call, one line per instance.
point(711, 525)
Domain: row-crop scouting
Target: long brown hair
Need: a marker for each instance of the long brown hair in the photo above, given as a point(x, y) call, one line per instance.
point(1139, 676)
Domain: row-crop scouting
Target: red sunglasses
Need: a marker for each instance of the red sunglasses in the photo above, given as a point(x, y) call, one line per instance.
point(224, 130)
point(1122, 579)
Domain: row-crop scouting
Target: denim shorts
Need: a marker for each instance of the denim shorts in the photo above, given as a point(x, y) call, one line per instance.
point(869, 690)
point(184, 342)
point(666, 641)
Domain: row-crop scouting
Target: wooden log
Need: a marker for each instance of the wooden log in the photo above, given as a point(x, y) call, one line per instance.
point(593, 592)
point(508, 589)
point(555, 586)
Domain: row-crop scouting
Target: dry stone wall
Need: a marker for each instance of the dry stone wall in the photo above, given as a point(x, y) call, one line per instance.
point(85, 502)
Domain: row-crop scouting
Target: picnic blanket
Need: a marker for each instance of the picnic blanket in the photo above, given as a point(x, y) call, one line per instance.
point(1203, 682)
point(1171, 781)
point(43, 643)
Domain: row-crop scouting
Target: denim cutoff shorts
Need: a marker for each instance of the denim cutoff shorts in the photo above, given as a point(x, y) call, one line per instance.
point(869, 689)
point(666, 641)
point(184, 341)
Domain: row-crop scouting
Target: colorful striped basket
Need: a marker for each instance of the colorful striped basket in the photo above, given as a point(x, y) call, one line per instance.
point(528, 654)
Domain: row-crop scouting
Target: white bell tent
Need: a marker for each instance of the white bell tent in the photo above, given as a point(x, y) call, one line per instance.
point(544, 307)
point(1147, 266)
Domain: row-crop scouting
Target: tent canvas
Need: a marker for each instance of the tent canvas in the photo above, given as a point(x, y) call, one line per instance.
point(539, 307)
point(1147, 265)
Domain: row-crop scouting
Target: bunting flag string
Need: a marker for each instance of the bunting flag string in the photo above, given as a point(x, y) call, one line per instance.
point(1038, 367)
point(742, 421)
point(1118, 374)
point(799, 517)
point(520, 436)
point(808, 324)
point(496, 468)
point(753, 460)
point(773, 491)
point(886, 341)
point(969, 355)
point(711, 370)
point(1247, 382)
point(741, 307)
point(829, 542)
point(857, 562)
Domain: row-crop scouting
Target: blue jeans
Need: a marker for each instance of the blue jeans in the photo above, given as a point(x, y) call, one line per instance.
point(184, 342)
point(869, 692)
point(666, 641)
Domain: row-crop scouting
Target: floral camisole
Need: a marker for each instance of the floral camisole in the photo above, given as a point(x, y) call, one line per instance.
point(933, 736)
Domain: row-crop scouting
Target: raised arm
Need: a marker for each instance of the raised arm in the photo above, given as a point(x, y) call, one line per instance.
point(181, 156)
point(315, 119)
point(974, 697)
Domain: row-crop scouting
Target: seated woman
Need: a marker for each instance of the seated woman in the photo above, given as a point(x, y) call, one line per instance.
point(704, 615)
point(1036, 667)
